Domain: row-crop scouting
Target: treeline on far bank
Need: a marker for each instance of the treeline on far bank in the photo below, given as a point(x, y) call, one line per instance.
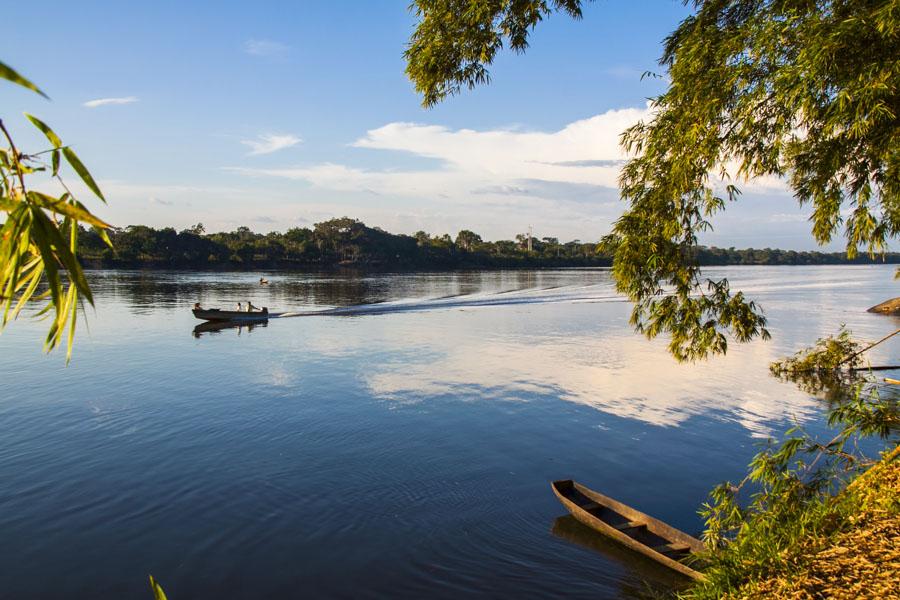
point(349, 242)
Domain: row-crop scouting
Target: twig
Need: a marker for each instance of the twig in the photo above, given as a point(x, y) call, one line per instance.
point(16, 156)
point(869, 347)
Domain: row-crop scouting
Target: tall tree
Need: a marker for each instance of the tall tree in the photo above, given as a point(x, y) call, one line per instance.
point(467, 240)
point(801, 90)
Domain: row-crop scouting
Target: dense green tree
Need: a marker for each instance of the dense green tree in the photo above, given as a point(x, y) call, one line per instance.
point(142, 246)
point(805, 91)
point(467, 240)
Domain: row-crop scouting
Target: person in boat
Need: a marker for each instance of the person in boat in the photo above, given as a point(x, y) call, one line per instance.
point(250, 307)
point(197, 306)
point(240, 307)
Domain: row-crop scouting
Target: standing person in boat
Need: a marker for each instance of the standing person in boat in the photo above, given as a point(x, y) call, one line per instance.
point(250, 307)
point(240, 307)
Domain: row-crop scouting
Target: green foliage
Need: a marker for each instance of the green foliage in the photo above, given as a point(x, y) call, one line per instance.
point(39, 237)
point(787, 88)
point(795, 502)
point(827, 354)
point(355, 244)
point(342, 241)
point(455, 40)
point(10, 74)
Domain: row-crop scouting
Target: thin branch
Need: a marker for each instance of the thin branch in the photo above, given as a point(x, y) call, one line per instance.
point(15, 152)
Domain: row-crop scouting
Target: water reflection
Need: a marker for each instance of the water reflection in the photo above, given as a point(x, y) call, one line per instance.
point(643, 569)
point(622, 375)
point(211, 327)
point(144, 292)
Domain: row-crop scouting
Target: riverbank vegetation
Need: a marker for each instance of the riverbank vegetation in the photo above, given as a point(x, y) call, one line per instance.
point(812, 518)
point(799, 540)
point(349, 242)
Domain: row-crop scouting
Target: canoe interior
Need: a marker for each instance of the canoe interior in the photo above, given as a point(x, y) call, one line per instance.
point(634, 529)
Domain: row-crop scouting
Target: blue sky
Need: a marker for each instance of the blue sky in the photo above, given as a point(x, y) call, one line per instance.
point(282, 114)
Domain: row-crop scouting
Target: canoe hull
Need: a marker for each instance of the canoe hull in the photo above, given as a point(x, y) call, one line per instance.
point(568, 490)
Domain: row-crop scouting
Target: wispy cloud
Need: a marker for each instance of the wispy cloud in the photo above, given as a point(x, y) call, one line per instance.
point(587, 163)
point(270, 48)
point(107, 101)
point(491, 162)
point(268, 143)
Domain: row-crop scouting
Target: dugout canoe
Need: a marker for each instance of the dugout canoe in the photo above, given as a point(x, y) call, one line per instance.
point(631, 528)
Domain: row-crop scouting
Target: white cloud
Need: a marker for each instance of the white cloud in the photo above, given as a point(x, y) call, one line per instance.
point(271, 142)
point(494, 163)
point(269, 48)
point(566, 180)
point(108, 101)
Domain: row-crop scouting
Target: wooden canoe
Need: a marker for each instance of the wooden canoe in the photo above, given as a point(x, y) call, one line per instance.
point(631, 528)
point(214, 314)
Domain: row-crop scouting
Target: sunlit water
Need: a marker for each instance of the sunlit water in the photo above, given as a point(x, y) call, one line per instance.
point(399, 448)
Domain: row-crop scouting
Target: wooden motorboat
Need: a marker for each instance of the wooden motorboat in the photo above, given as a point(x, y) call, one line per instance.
point(215, 314)
point(631, 528)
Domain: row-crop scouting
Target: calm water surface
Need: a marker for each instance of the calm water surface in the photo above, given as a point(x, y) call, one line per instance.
point(402, 449)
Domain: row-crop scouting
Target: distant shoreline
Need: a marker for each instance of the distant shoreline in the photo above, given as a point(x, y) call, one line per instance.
point(402, 268)
point(342, 244)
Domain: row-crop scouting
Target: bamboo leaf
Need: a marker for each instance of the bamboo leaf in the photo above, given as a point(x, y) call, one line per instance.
point(7, 204)
point(82, 171)
point(158, 593)
point(51, 135)
point(10, 74)
point(49, 260)
point(73, 307)
point(60, 207)
point(61, 252)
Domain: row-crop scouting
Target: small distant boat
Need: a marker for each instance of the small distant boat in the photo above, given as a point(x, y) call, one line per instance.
point(263, 281)
point(631, 528)
point(214, 314)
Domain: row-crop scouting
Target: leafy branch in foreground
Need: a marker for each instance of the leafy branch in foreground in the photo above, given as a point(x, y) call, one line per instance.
point(793, 90)
point(39, 237)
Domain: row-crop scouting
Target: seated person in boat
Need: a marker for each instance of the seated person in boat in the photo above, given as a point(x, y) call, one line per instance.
point(197, 306)
point(240, 307)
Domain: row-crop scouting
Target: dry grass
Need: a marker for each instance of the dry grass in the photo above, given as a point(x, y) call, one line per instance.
point(861, 562)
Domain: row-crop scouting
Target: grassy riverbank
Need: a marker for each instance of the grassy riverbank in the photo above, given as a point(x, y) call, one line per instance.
point(846, 546)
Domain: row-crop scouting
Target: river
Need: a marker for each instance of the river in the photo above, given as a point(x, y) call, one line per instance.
point(402, 448)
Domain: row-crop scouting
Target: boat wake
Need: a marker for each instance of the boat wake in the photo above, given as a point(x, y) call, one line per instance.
point(550, 295)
